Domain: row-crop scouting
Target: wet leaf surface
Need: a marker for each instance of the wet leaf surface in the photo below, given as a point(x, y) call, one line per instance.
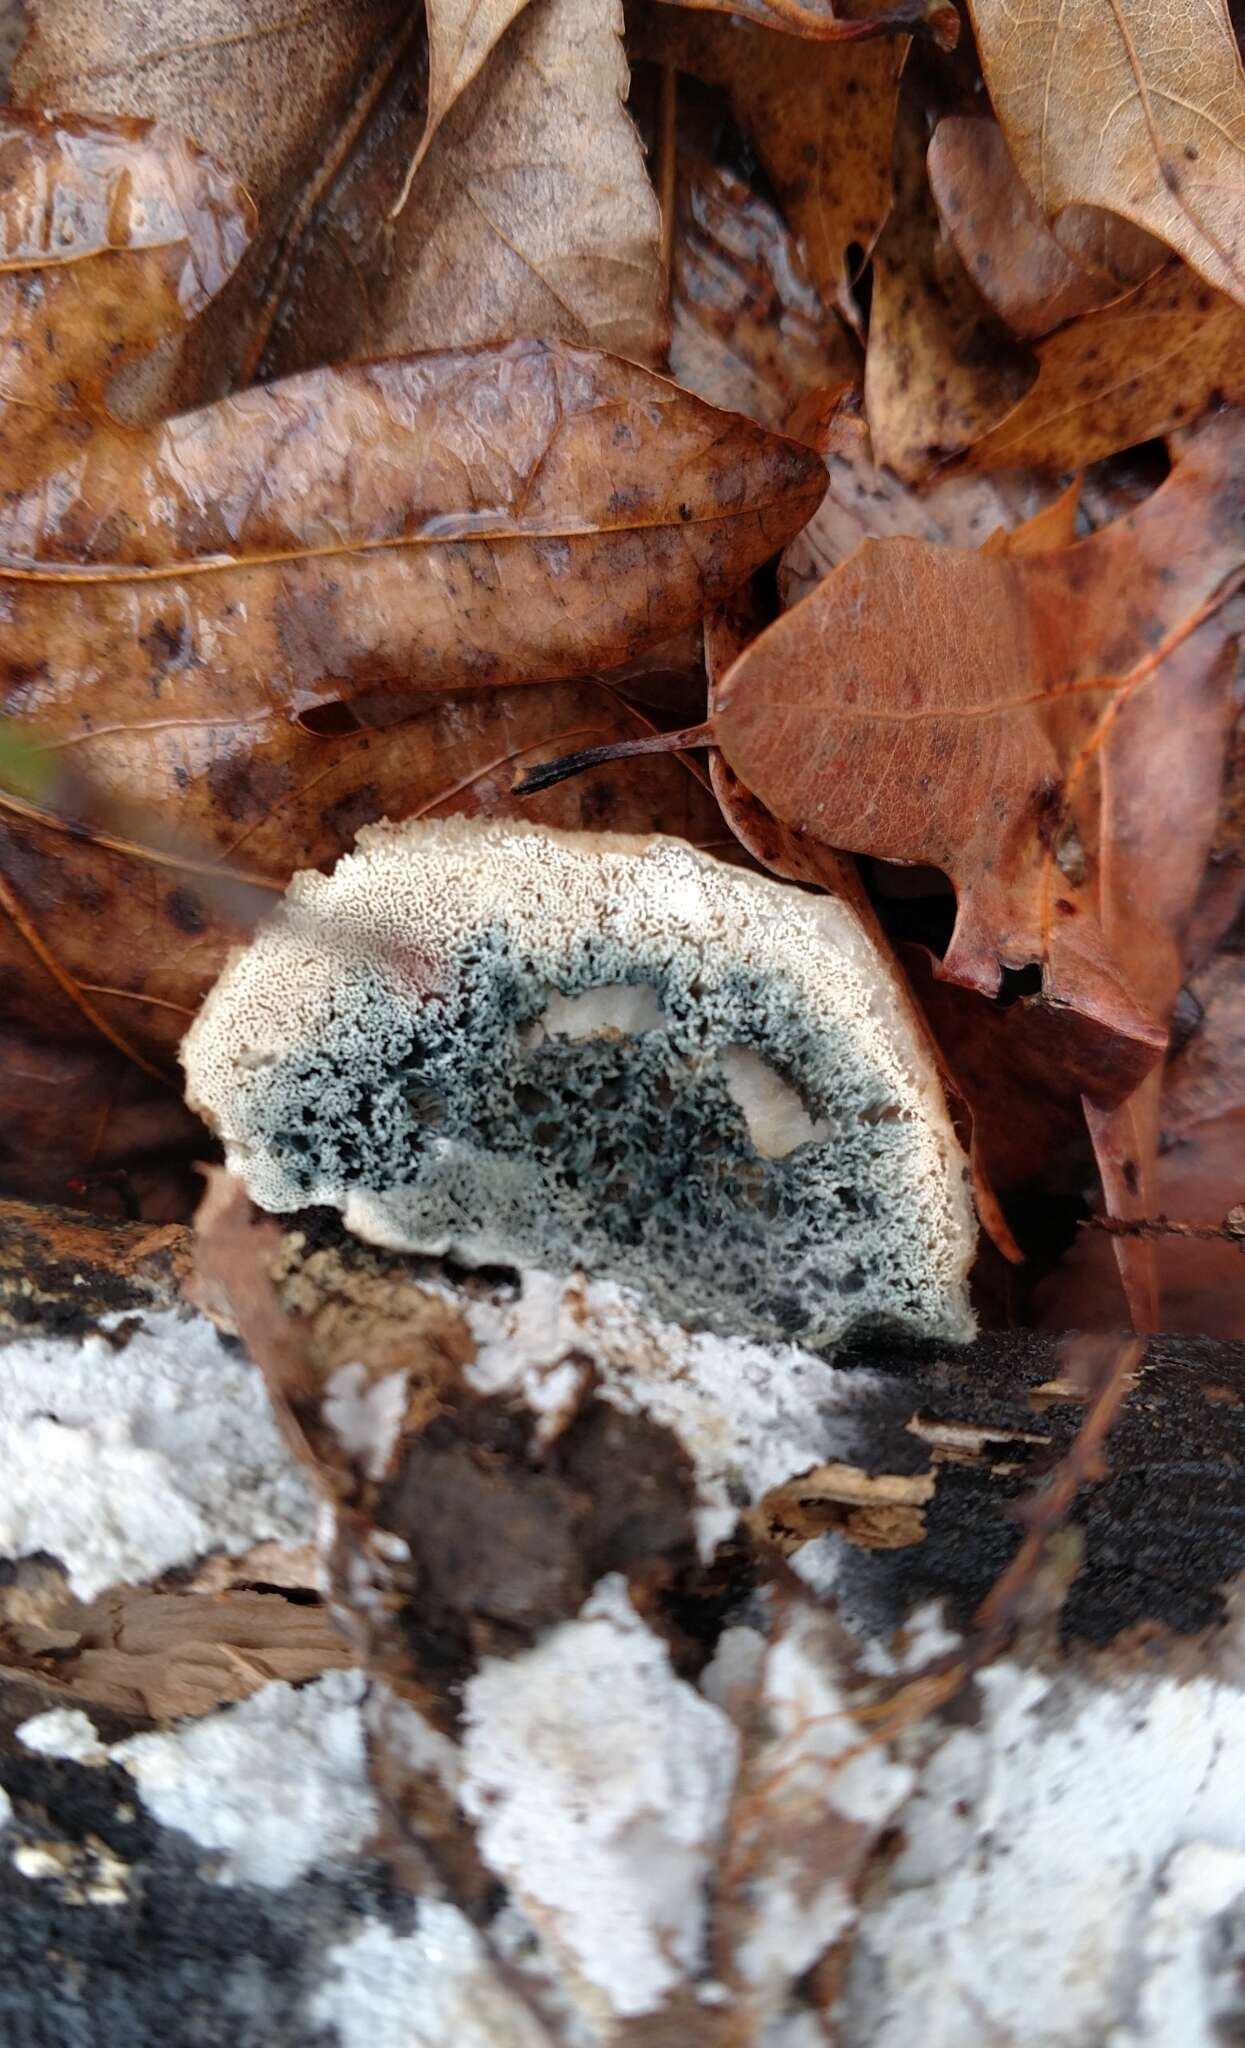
point(991, 715)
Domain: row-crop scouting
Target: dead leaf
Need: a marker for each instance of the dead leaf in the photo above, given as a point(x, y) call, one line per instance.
point(940, 369)
point(269, 89)
point(1032, 281)
point(821, 118)
point(748, 329)
point(1156, 360)
point(999, 718)
point(1198, 1177)
point(1113, 104)
point(821, 21)
point(461, 36)
point(494, 481)
point(531, 213)
point(864, 500)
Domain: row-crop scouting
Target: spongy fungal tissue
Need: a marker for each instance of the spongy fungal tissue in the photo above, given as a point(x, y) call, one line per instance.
point(536, 1048)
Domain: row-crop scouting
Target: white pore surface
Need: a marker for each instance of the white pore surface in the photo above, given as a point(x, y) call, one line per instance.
point(1064, 1865)
point(435, 1988)
point(599, 1782)
point(123, 1462)
point(411, 900)
point(749, 1415)
point(274, 1787)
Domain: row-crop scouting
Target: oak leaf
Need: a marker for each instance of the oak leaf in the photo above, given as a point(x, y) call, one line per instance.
point(998, 716)
point(1122, 105)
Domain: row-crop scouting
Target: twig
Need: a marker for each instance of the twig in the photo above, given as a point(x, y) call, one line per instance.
point(1230, 1231)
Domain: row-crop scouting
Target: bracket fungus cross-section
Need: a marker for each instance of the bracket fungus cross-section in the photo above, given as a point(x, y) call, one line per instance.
point(536, 1048)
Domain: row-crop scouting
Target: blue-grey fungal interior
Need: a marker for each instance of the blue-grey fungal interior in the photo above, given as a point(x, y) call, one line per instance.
point(449, 1107)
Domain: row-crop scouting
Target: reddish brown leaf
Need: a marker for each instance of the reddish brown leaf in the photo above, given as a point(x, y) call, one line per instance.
point(999, 717)
point(865, 501)
point(1197, 1179)
point(1033, 281)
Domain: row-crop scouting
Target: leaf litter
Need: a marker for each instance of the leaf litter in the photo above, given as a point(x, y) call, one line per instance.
point(391, 404)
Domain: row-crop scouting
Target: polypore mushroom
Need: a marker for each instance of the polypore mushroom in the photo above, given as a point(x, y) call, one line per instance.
point(537, 1048)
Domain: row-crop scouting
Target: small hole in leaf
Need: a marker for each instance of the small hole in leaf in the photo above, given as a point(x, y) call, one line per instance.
point(1018, 982)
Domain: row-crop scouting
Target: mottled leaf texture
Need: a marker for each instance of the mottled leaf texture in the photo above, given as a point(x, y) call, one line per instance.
point(1002, 717)
point(748, 330)
point(821, 118)
point(1137, 106)
point(272, 90)
point(1032, 281)
point(467, 517)
point(531, 211)
point(866, 502)
point(940, 370)
point(1154, 361)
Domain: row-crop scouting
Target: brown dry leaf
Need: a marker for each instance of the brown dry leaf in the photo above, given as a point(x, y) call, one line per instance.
point(1198, 1177)
point(422, 523)
point(1032, 281)
point(748, 328)
point(1135, 109)
point(821, 21)
point(940, 369)
point(1000, 717)
point(1158, 359)
point(531, 211)
point(271, 89)
point(821, 118)
point(461, 36)
point(865, 501)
